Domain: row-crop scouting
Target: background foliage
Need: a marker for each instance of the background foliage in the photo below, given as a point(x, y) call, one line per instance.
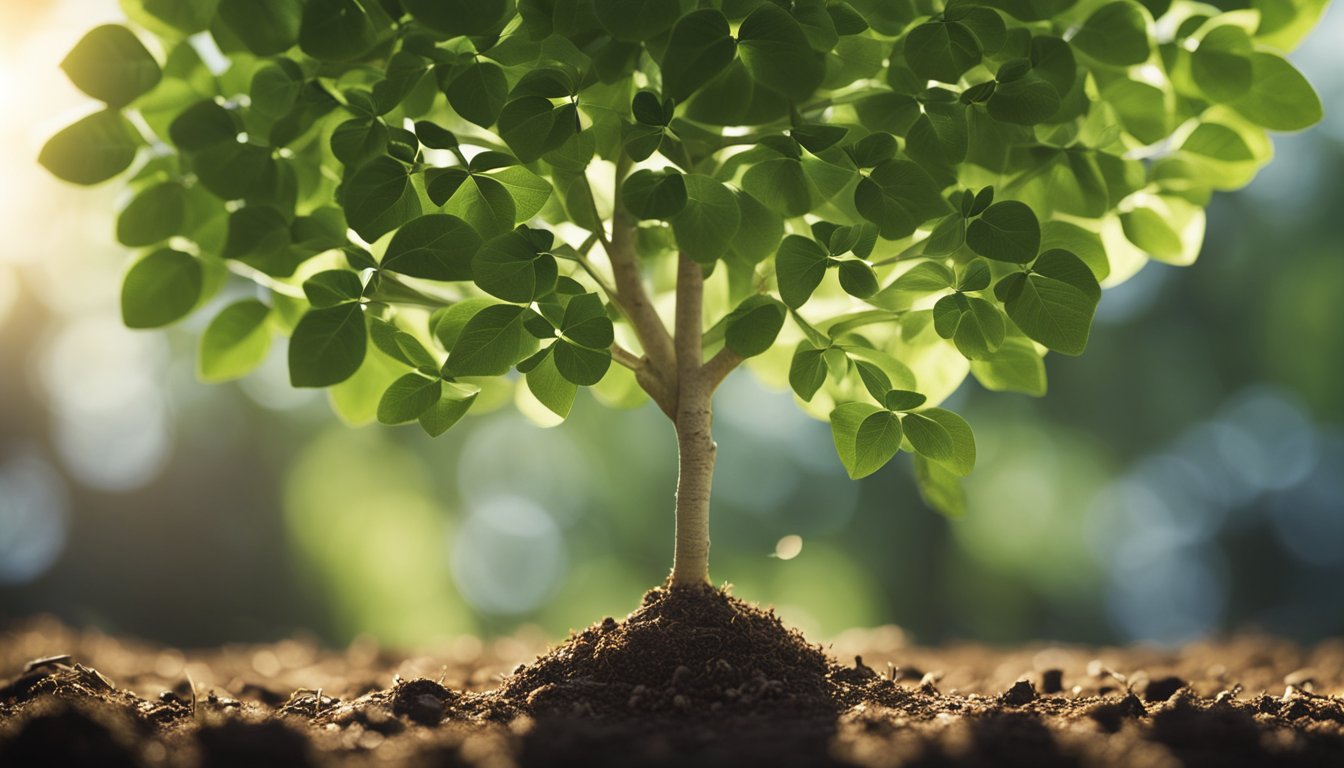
point(990, 564)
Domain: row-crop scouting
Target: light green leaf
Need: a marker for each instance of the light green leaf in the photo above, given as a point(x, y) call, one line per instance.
point(1055, 303)
point(549, 387)
point(807, 371)
point(940, 487)
point(92, 150)
point(866, 437)
point(453, 404)
point(1280, 98)
point(1013, 367)
point(111, 65)
point(528, 190)
point(235, 342)
point(942, 436)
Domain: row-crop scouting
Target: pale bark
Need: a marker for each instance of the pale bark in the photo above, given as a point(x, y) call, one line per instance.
point(695, 443)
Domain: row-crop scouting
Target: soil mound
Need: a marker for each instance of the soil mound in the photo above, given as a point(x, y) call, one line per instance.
point(693, 651)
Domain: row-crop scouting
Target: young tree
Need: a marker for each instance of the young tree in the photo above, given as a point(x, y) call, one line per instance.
point(866, 200)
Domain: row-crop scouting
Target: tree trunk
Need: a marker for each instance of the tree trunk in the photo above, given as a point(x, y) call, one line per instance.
point(695, 444)
point(695, 456)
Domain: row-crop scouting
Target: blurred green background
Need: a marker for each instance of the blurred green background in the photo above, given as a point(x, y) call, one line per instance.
point(1185, 477)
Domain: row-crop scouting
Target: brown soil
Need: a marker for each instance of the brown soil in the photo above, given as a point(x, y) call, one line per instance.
point(693, 677)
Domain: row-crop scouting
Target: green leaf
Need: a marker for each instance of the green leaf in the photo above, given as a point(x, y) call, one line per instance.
point(586, 323)
point(857, 279)
point(866, 437)
point(1055, 303)
point(705, 228)
point(339, 30)
point(1027, 100)
point(807, 370)
point(899, 196)
point(233, 171)
point(1115, 34)
point(235, 342)
point(327, 346)
point(942, 436)
point(408, 398)
point(973, 324)
point(1014, 367)
point(528, 190)
point(1280, 98)
point(940, 487)
point(635, 21)
point(266, 27)
point(187, 16)
point(453, 404)
point(203, 124)
point(92, 150)
point(378, 198)
point(550, 388)
point(800, 266)
point(491, 342)
point(508, 266)
point(754, 325)
point(701, 45)
point(434, 247)
point(161, 288)
point(275, 89)
point(654, 194)
point(903, 400)
point(777, 54)
point(485, 204)
point(526, 124)
point(581, 365)
point(478, 93)
point(874, 379)
point(332, 287)
point(111, 65)
point(152, 216)
point(356, 142)
point(256, 234)
point(460, 17)
point(1221, 65)
point(941, 51)
point(1006, 231)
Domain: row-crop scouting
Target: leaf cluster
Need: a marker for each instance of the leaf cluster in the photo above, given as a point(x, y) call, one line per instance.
point(884, 196)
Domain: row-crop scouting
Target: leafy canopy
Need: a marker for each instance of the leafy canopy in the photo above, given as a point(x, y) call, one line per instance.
point(885, 196)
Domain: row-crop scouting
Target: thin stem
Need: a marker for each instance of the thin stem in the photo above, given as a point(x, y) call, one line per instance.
point(625, 357)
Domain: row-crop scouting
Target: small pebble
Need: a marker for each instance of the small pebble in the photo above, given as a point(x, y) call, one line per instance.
point(1022, 692)
point(1052, 681)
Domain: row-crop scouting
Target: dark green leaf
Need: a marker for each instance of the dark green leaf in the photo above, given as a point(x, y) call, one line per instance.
point(491, 342)
point(378, 198)
point(460, 17)
point(332, 287)
point(327, 346)
point(508, 266)
point(807, 371)
point(434, 247)
point(581, 365)
point(754, 325)
point(1054, 305)
point(546, 383)
point(637, 20)
point(941, 51)
point(654, 194)
point(903, 400)
point(800, 266)
point(1006, 231)
point(452, 405)
point(701, 46)
point(407, 398)
point(858, 279)
point(478, 93)
point(266, 27)
point(339, 30)
point(777, 54)
point(899, 196)
point(1115, 34)
point(152, 216)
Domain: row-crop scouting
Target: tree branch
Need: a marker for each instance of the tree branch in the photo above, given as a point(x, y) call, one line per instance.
point(719, 366)
point(630, 294)
point(626, 358)
point(689, 321)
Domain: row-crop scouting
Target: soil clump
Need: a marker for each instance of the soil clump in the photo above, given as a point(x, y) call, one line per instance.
point(691, 677)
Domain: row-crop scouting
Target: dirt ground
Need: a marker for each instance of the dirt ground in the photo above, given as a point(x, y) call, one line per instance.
point(690, 678)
